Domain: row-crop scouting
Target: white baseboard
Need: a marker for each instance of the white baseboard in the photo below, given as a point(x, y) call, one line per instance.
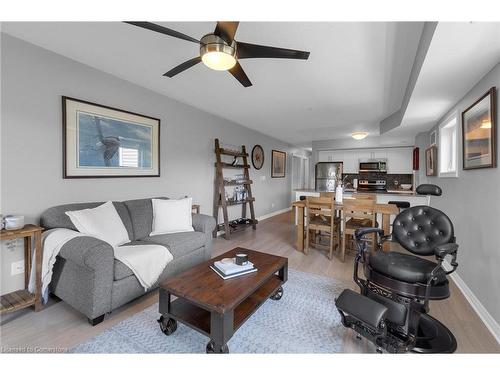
point(478, 307)
point(274, 213)
point(264, 217)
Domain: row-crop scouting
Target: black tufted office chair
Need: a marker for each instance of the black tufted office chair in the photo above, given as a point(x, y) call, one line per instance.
point(392, 307)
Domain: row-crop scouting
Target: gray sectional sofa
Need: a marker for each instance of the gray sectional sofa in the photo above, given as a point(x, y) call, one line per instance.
point(89, 278)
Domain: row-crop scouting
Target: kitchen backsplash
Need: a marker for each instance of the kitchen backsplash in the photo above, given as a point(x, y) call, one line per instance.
point(390, 178)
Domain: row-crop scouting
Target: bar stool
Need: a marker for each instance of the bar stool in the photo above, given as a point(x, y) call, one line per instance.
point(402, 205)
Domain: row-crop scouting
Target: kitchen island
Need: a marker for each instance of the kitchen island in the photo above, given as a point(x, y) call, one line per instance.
point(382, 197)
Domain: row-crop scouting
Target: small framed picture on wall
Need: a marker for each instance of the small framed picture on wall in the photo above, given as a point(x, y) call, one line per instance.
point(431, 161)
point(278, 164)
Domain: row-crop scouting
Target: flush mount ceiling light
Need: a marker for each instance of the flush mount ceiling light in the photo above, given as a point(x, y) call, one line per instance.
point(359, 135)
point(220, 51)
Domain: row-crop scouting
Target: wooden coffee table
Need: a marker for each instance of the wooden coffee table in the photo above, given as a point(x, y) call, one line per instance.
point(217, 307)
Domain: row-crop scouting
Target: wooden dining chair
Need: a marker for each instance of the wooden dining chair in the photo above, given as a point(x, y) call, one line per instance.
point(322, 220)
point(356, 213)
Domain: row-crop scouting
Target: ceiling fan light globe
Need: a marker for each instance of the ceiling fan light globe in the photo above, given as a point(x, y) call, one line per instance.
point(359, 135)
point(218, 60)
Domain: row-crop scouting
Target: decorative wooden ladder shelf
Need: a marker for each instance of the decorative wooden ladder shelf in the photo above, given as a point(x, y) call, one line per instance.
point(220, 200)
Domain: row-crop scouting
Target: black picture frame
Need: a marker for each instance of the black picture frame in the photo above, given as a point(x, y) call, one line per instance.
point(468, 141)
point(69, 167)
point(278, 164)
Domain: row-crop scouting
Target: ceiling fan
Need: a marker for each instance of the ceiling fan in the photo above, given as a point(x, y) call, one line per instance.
point(220, 51)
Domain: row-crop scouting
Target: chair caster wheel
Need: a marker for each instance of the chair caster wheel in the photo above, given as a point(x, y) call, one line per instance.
point(277, 295)
point(358, 336)
point(211, 348)
point(379, 350)
point(167, 327)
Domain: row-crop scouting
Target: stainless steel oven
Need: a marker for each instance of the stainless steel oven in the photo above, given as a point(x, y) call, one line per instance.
point(373, 165)
point(372, 185)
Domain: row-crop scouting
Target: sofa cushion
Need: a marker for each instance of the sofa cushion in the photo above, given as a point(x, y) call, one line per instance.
point(55, 217)
point(102, 222)
point(180, 244)
point(172, 216)
point(141, 214)
point(121, 271)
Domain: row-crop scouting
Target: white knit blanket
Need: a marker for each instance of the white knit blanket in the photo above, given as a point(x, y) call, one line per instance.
point(147, 262)
point(52, 241)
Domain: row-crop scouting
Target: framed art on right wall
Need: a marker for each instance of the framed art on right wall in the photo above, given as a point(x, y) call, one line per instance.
point(479, 129)
point(431, 161)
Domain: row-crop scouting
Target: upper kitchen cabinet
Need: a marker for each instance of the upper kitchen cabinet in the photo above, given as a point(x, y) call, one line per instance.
point(376, 153)
point(330, 156)
point(400, 160)
point(351, 161)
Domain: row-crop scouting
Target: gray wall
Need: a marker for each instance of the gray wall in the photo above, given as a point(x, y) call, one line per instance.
point(33, 81)
point(473, 203)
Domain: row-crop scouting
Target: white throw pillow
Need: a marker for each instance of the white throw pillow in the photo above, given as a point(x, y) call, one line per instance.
point(172, 216)
point(102, 222)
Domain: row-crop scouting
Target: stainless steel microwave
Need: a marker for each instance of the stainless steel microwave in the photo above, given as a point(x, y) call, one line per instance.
point(373, 165)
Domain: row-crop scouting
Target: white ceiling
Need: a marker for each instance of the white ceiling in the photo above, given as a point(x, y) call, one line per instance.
point(356, 74)
point(460, 54)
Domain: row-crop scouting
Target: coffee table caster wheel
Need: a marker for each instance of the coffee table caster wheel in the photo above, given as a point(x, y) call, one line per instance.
point(167, 326)
point(211, 348)
point(277, 295)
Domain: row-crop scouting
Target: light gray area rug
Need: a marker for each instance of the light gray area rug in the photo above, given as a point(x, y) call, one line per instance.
point(305, 320)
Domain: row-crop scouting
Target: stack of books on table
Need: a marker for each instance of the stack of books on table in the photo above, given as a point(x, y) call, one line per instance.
point(228, 270)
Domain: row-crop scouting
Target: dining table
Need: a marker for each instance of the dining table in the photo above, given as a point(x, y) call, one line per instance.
point(383, 209)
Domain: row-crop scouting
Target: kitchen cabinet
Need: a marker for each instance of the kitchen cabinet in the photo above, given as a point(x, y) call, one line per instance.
point(351, 162)
point(325, 156)
point(379, 154)
point(400, 160)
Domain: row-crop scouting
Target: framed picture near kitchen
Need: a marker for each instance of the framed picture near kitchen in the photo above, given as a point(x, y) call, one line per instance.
point(278, 164)
point(431, 161)
point(101, 141)
point(479, 129)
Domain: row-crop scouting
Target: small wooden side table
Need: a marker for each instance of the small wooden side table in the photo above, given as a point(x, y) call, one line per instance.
point(20, 299)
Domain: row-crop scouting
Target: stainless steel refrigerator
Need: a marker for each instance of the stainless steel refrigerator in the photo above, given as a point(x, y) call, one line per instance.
point(327, 175)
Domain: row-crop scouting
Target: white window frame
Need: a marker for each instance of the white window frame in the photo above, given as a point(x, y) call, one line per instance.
point(441, 149)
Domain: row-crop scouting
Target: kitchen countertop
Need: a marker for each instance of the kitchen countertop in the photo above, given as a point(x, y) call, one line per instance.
point(408, 193)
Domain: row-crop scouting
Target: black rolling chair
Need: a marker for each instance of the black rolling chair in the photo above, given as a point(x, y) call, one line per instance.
point(392, 307)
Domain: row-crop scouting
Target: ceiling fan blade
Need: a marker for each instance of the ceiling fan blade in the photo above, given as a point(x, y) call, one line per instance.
point(226, 31)
point(238, 73)
point(251, 51)
point(163, 30)
point(182, 67)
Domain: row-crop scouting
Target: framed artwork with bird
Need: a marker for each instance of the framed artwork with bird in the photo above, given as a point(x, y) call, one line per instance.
point(101, 141)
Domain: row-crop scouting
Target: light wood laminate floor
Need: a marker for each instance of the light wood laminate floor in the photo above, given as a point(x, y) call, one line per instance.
point(59, 326)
